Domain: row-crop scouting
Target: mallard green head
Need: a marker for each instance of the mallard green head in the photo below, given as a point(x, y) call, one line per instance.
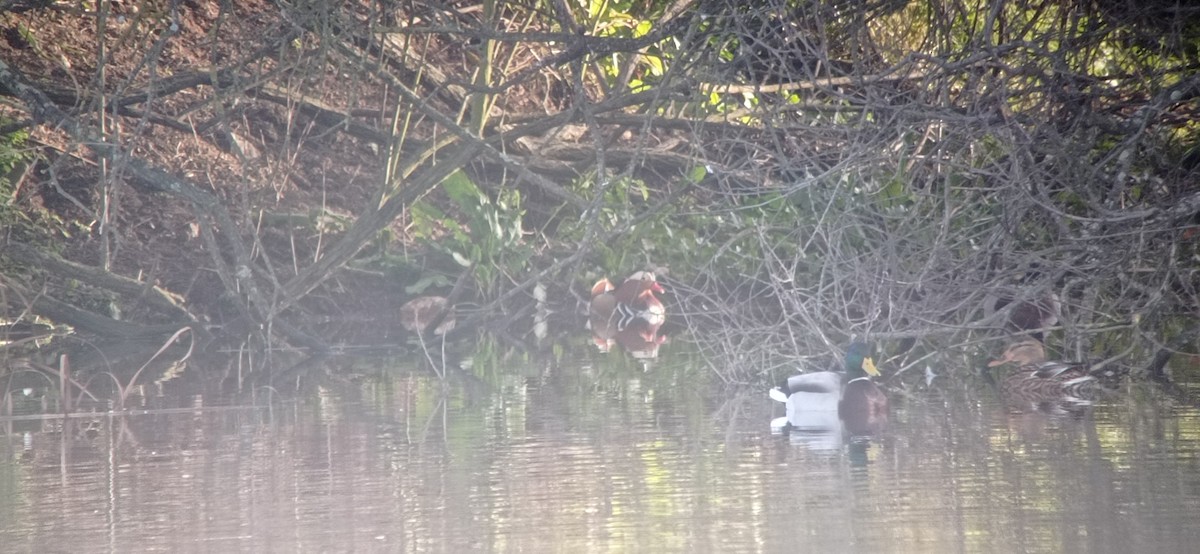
point(858, 362)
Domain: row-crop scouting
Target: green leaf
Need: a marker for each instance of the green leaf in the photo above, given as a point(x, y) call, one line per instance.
point(655, 65)
point(427, 281)
point(462, 191)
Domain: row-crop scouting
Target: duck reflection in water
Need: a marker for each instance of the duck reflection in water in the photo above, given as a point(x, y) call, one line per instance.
point(629, 315)
point(826, 406)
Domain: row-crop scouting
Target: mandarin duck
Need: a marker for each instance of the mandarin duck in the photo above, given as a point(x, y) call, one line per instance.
point(634, 299)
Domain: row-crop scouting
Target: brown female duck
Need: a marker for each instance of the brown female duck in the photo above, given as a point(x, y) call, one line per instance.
point(419, 313)
point(1031, 315)
point(1044, 385)
point(1029, 301)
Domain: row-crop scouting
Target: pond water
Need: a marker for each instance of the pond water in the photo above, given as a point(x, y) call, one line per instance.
point(588, 452)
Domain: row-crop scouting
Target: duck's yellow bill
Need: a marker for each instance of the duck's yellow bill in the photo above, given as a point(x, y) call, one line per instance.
point(869, 367)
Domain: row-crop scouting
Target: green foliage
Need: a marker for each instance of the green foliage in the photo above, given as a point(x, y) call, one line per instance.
point(622, 200)
point(631, 20)
point(487, 236)
point(687, 235)
point(427, 281)
point(12, 156)
point(12, 151)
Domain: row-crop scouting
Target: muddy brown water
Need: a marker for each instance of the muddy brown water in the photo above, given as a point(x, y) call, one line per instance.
point(592, 453)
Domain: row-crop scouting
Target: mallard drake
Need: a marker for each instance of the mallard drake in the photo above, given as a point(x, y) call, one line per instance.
point(634, 299)
point(1033, 382)
point(860, 403)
